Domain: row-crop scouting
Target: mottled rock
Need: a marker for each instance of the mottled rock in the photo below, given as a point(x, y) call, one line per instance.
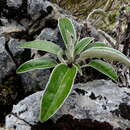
point(17, 52)
point(95, 100)
point(7, 66)
point(34, 80)
point(51, 35)
point(2, 128)
point(11, 90)
point(24, 108)
point(36, 6)
point(14, 3)
point(48, 34)
point(10, 30)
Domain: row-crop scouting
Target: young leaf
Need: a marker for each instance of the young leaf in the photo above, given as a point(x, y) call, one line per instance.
point(70, 46)
point(39, 63)
point(82, 44)
point(106, 53)
point(42, 45)
point(66, 25)
point(57, 90)
point(104, 68)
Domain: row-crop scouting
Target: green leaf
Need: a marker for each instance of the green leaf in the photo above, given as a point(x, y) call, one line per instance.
point(104, 68)
point(66, 25)
point(97, 44)
point(39, 63)
point(79, 69)
point(42, 45)
point(106, 53)
point(82, 44)
point(58, 88)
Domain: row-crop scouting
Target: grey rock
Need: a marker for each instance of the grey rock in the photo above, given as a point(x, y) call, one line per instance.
point(4, 21)
point(35, 6)
point(95, 100)
point(27, 110)
point(14, 3)
point(2, 128)
point(16, 51)
point(48, 34)
point(9, 28)
point(2, 44)
point(34, 80)
point(52, 35)
point(14, 46)
point(6, 63)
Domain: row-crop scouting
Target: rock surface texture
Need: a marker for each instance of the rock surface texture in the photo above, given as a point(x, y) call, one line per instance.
point(6, 63)
point(99, 101)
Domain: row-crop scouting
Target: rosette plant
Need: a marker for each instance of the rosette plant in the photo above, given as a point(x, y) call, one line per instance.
point(68, 64)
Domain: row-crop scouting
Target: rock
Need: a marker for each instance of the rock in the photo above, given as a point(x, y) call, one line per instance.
point(2, 128)
point(7, 66)
point(9, 29)
point(35, 6)
point(98, 100)
point(28, 109)
point(52, 35)
point(16, 51)
point(34, 80)
point(48, 34)
point(14, 3)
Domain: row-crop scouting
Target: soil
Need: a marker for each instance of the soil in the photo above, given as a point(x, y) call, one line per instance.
point(67, 122)
point(11, 92)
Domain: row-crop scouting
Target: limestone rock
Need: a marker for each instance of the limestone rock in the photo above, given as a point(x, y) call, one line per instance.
point(35, 80)
point(16, 51)
point(7, 66)
point(14, 3)
point(52, 35)
point(26, 111)
point(98, 100)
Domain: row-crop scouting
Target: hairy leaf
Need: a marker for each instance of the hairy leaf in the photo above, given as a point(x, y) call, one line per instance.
point(39, 63)
point(104, 68)
point(66, 25)
point(57, 90)
point(97, 44)
point(106, 53)
point(82, 44)
point(42, 45)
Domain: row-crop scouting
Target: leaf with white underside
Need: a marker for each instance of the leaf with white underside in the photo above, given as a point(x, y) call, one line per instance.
point(39, 63)
point(42, 45)
point(104, 68)
point(106, 53)
point(57, 90)
point(66, 25)
point(82, 44)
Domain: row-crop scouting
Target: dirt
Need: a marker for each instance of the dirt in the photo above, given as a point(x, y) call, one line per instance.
point(67, 122)
point(11, 92)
